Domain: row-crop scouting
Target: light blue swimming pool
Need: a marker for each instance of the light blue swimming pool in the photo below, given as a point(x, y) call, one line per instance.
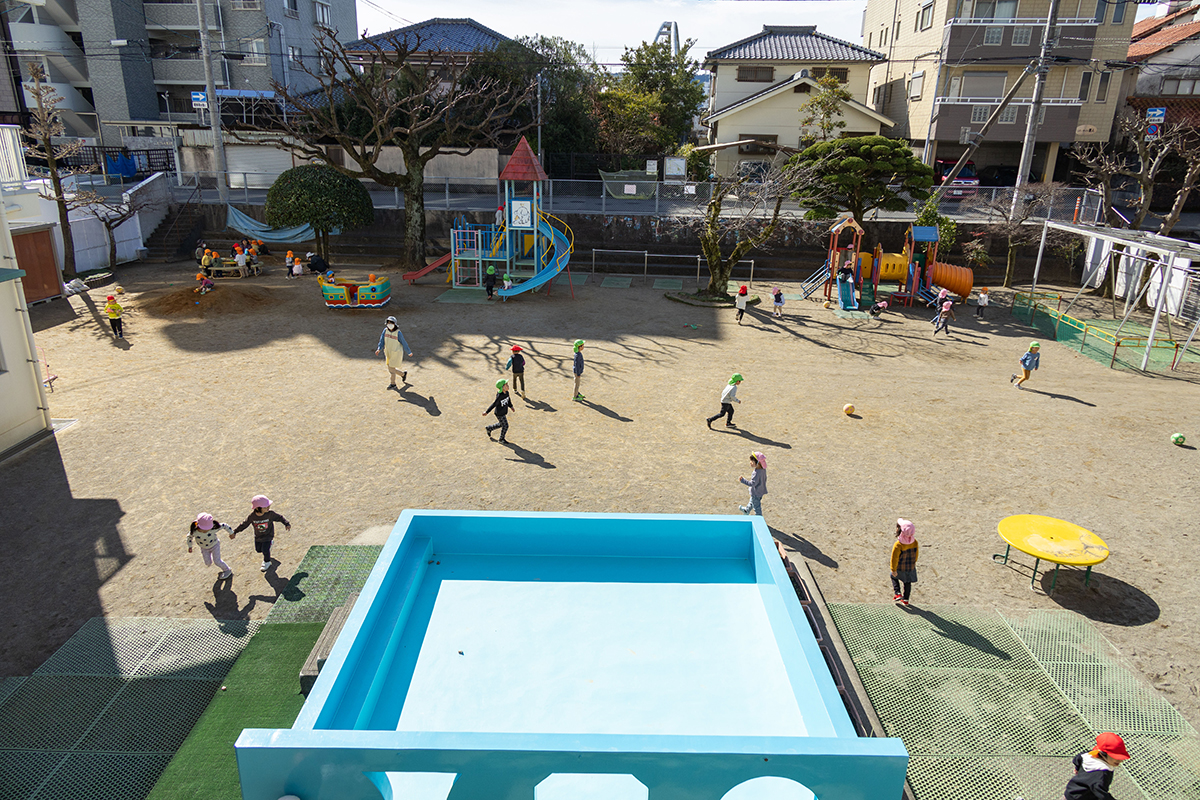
point(551, 655)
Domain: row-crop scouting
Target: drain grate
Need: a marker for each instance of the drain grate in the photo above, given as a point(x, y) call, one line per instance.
point(1012, 778)
point(51, 712)
point(326, 577)
point(939, 636)
point(975, 711)
point(152, 715)
point(103, 776)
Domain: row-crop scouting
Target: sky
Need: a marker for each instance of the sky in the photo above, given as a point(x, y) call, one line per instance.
point(607, 27)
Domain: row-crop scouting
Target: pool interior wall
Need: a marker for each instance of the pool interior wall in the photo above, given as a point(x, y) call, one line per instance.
point(566, 631)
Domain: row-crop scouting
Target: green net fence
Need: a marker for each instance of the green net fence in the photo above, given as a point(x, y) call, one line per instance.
point(1098, 339)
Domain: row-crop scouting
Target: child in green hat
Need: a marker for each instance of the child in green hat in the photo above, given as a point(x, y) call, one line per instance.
point(489, 282)
point(577, 368)
point(501, 405)
point(728, 398)
point(1029, 365)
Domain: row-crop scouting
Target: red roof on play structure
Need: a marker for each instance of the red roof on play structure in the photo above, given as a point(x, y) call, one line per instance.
point(523, 166)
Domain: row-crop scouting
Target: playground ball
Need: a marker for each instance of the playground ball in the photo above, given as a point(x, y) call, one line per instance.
point(1178, 438)
point(848, 408)
point(828, 304)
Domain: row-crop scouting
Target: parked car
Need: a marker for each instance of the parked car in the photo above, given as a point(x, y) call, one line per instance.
point(997, 175)
point(965, 184)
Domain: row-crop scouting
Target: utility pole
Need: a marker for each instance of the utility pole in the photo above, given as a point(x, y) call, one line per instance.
point(1049, 40)
point(214, 105)
point(541, 160)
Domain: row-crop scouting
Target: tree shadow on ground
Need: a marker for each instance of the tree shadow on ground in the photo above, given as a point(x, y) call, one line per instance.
point(226, 606)
point(754, 437)
point(960, 634)
point(1105, 599)
point(539, 405)
point(606, 411)
point(421, 401)
point(527, 456)
point(804, 547)
point(1056, 396)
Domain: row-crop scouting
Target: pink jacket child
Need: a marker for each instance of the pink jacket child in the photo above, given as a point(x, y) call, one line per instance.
point(204, 532)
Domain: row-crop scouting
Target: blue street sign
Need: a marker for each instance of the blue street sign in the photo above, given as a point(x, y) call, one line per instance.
point(1156, 115)
point(199, 100)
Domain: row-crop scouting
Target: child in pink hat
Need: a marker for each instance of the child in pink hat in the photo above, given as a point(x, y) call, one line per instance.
point(757, 483)
point(904, 560)
point(263, 519)
point(777, 302)
point(204, 532)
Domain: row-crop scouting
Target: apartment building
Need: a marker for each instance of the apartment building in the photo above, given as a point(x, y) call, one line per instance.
point(951, 61)
point(1166, 50)
point(760, 84)
point(116, 62)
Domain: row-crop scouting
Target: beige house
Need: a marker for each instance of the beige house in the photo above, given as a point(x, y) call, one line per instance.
point(951, 61)
point(761, 83)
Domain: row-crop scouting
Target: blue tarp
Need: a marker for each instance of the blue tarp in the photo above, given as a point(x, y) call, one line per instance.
point(256, 230)
point(121, 165)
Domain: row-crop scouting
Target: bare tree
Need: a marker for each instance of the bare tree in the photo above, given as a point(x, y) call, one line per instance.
point(394, 93)
point(751, 222)
point(45, 125)
point(1133, 160)
point(112, 213)
point(1015, 223)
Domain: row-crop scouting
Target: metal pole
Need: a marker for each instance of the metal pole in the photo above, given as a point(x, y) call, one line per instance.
point(1037, 267)
point(1163, 291)
point(1187, 344)
point(697, 270)
point(396, 196)
point(539, 118)
point(1039, 89)
point(447, 188)
point(246, 188)
point(645, 266)
point(752, 273)
point(214, 105)
point(656, 185)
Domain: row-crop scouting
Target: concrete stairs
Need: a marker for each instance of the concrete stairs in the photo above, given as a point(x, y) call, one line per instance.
point(176, 235)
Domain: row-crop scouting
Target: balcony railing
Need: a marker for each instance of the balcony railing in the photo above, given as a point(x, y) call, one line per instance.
point(1016, 101)
point(1037, 22)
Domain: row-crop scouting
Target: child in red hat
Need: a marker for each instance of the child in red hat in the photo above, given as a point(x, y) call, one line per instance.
point(740, 302)
point(516, 363)
point(1094, 769)
point(113, 309)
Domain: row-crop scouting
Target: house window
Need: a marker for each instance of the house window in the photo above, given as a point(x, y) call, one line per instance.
point(323, 15)
point(1102, 87)
point(841, 73)
point(245, 5)
point(1119, 13)
point(925, 18)
point(916, 84)
point(755, 149)
point(294, 55)
point(993, 34)
point(869, 41)
point(1022, 36)
point(878, 100)
point(255, 50)
point(1085, 85)
point(756, 74)
point(1008, 116)
point(291, 8)
point(982, 84)
point(996, 10)
point(1101, 7)
point(980, 113)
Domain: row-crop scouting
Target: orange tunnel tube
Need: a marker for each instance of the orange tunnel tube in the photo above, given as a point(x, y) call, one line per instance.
point(958, 280)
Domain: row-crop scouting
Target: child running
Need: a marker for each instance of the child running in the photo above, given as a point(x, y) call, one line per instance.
point(113, 309)
point(982, 303)
point(205, 532)
point(777, 298)
point(263, 519)
point(1029, 365)
point(740, 303)
point(516, 362)
point(728, 398)
point(501, 405)
point(942, 297)
point(1094, 769)
point(904, 560)
point(877, 309)
point(942, 322)
point(757, 484)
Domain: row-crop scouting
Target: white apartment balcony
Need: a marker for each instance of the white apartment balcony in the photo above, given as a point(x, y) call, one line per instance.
point(77, 113)
point(184, 70)
point(53, 43)
point(1014, 39)
point(953, 115)
point(63, 13)
point(180, 16)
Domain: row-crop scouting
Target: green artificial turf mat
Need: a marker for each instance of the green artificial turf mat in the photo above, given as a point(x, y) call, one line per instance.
point(463, 296)
point(262, 691)
point(616, 282)
point(668, 283)
point(578, 278)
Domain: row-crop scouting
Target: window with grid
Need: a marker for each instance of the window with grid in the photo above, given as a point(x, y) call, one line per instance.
point(1022, 36)
point(1008, 116)
point(841, 73)
point(925, 18)
point(993, 34)
point(323, 14)
point(255, 50)
point(756, 74)
point(980, 113)
point(291, 8)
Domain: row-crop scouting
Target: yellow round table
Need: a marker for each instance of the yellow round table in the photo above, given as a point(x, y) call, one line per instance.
point(1054, 540)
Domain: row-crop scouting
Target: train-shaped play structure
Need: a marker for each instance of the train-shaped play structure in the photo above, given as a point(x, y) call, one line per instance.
point(375, 292)
point(856, 274)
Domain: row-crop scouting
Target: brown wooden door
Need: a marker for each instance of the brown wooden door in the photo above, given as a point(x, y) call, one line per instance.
point(35, 255)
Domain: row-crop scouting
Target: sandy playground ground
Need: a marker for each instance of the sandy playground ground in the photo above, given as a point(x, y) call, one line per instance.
point(199, 410)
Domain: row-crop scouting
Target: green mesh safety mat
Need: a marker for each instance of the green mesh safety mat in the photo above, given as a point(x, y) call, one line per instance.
point(578, 278)
point(103, 715)
point(463, 296)
point(616, 282)
point(675, 284)
point(838, 312)
point(995, 705)
point(326, 577)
